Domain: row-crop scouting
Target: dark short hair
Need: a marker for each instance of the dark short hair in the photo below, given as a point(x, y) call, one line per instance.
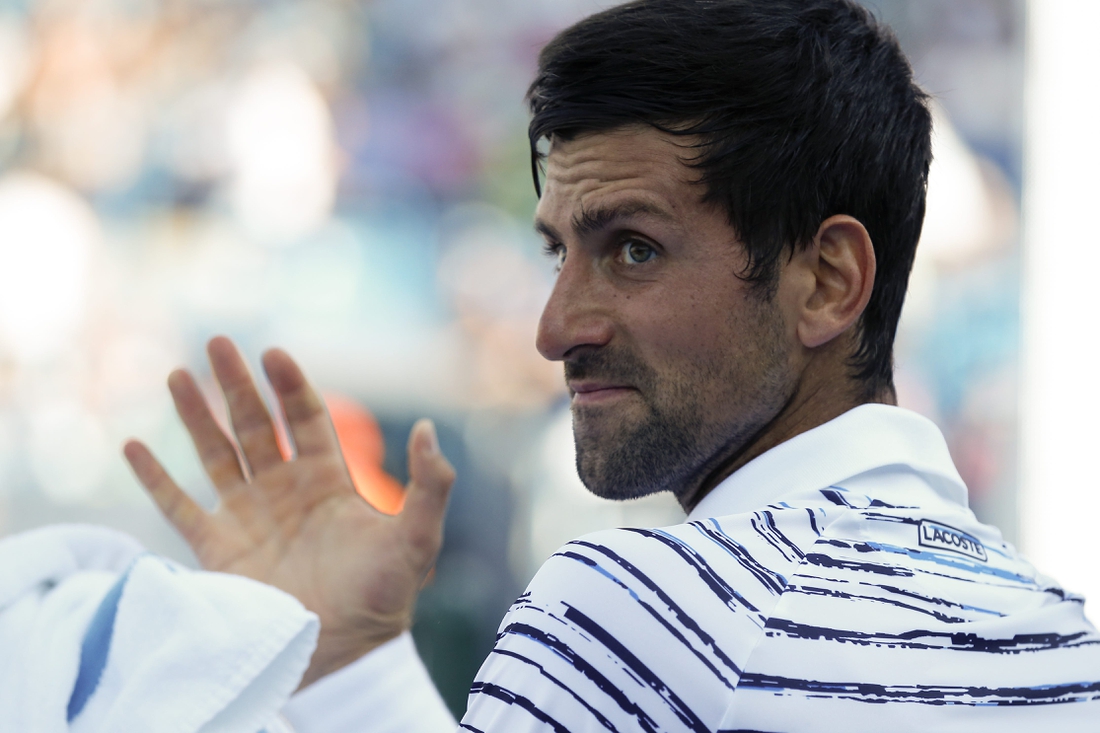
point(802, 109)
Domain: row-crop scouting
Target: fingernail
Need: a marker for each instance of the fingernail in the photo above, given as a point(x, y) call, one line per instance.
point(433, 439)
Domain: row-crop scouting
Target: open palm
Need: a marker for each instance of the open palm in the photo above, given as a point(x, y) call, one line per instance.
point(299, 524)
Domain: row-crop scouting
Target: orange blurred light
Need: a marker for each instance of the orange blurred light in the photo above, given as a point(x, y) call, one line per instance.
point(364, 448)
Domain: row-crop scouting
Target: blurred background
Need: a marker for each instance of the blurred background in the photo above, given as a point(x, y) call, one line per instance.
point(351, 181)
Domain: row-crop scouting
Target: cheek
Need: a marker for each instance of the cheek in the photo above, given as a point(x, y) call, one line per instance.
point(689, 333)
point(716, 347)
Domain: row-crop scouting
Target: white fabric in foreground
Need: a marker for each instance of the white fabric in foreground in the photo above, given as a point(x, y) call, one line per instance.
point(387, 691)
point(181, 651)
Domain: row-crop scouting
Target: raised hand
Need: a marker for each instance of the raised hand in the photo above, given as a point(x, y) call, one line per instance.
point(298, 524)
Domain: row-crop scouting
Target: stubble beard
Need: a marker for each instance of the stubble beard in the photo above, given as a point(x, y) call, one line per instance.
point(672, 447)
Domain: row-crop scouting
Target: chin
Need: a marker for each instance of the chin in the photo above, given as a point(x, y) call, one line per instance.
point(617, 475)
point(618, 491)
point(633, 450)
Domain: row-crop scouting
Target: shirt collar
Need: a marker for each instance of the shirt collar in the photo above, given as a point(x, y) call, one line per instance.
point(865, 438)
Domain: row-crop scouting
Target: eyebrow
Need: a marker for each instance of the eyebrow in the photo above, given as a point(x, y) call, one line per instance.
point(591, 221)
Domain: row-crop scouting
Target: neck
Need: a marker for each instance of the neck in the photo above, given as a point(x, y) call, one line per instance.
point(815, 402)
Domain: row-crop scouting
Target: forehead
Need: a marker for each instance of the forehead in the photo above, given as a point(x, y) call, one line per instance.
point(596, 169)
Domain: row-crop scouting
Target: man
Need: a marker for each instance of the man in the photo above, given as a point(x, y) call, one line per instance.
point(734, 191)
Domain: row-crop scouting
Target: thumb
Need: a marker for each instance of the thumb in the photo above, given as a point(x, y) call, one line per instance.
point(431, 477)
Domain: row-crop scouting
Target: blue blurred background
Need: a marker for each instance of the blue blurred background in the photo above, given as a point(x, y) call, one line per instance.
point(351, 181)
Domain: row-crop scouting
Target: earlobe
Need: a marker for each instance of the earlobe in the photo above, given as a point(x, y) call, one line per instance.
point(841, 259)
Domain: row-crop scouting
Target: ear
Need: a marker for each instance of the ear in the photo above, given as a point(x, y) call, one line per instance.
point(836, 274)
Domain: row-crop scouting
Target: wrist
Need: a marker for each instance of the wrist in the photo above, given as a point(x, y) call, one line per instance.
point(336, 650)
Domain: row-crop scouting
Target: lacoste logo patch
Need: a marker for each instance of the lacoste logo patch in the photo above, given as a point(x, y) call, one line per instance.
point(942, 537)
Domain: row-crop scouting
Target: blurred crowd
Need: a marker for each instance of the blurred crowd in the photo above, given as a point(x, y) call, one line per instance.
point(351, 181)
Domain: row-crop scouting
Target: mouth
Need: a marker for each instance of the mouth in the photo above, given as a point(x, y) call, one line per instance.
point(593, 393)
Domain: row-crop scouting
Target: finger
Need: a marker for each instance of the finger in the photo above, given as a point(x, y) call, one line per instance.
point(431, 478)
point(247, 412)
point(305, 412)
point(180, 509)
point(216, 452)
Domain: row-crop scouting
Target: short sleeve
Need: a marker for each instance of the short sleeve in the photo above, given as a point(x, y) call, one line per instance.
point(387, 691)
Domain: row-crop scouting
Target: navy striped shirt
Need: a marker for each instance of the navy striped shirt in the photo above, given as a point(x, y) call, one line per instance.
point(836, 583)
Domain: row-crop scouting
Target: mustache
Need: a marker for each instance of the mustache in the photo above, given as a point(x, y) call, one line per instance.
point(611, 365)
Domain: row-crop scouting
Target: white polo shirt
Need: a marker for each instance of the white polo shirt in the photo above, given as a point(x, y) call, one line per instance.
point(838, 582)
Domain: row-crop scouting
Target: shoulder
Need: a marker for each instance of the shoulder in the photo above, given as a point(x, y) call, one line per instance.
point(710, 584)
point(739, 561)
point(632, 625)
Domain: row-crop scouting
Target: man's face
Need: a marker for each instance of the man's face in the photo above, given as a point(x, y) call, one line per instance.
point(673, 362)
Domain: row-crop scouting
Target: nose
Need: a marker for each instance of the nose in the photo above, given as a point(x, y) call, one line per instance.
point(574, 316)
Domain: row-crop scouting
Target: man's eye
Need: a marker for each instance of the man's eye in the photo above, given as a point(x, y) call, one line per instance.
point(636, 253)
point(556, 252)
